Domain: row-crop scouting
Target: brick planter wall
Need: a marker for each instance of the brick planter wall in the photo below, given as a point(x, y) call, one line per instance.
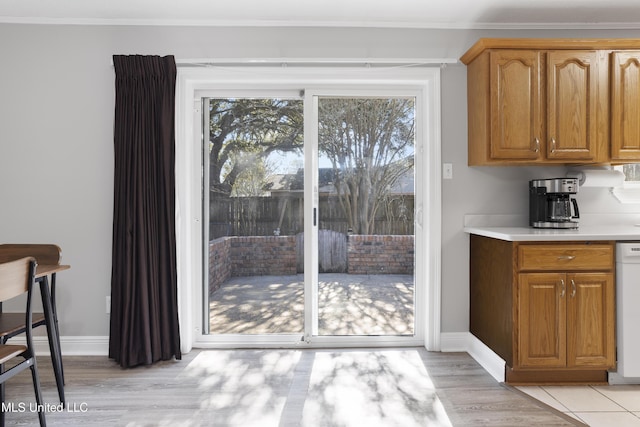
point(219, 265)
point(276, 255)
point(380, 254)
point(263, 255)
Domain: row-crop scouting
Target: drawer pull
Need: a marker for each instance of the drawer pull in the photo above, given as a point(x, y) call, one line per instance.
point(567, 257)
point(573, 288)
point(563, 288)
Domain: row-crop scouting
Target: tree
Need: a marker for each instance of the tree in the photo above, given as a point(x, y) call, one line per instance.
point(243, 132)
point(369, 143)
point(250, 181)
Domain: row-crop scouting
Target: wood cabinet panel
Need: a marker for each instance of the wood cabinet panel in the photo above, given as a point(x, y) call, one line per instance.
point(607, 44)
point(516, 107)
point(491, 292)
point(590, 308)
point(625, 105)
point(542, 320)
point(572, 101)
point(566, 257)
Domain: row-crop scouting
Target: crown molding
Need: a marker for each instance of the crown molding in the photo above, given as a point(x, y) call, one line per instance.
point(323, 24)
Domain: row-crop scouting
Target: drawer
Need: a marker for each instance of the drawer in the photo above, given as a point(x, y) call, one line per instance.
point(566, 257)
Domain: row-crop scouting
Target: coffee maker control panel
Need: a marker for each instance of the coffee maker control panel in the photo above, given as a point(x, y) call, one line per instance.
point(557, 185)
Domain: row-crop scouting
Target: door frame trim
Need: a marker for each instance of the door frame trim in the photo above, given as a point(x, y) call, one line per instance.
point(188, 178)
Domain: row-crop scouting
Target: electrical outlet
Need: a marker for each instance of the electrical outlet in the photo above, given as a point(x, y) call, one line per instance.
point(447, 171)
point(108, 305)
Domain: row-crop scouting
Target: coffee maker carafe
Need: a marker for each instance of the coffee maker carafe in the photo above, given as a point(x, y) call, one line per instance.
point(551, 204)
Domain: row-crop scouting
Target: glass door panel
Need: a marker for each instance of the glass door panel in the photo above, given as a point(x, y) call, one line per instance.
point(253, 181)
point(356, 263)
point(365, 284)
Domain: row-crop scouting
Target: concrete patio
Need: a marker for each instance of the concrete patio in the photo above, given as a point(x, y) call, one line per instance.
point(348, 304)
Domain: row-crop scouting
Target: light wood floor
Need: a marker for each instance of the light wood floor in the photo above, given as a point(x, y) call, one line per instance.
point(353, 387)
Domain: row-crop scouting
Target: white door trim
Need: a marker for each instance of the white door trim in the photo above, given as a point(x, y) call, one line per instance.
point(188, 175)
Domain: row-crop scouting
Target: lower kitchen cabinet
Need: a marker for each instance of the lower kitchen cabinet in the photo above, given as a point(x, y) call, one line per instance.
point(564, 320)
point(546, 308)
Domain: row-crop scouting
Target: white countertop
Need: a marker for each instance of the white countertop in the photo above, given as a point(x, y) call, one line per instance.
point(628, 232)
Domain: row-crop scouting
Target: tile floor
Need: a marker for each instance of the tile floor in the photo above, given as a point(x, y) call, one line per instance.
point(596, 406)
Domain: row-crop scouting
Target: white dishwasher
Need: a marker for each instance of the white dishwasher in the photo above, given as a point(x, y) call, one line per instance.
point(628, 309)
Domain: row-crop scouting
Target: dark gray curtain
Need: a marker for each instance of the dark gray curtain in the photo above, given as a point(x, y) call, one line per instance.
point(144, 309)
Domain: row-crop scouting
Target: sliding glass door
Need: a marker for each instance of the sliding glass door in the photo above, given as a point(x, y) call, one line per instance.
point(309, 207)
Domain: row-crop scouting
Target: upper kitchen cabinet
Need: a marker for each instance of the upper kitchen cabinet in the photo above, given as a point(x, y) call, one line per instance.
point(625, 105)
point(513, 122)
point(573, 106)
point(553, 101)
point(533, 106)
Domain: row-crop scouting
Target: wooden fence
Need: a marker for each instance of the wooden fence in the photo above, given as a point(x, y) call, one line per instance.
point(266, 216)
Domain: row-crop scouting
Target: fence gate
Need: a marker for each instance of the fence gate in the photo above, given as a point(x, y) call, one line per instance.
point(332, 252)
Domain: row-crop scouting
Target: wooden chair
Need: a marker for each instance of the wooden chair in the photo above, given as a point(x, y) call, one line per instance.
point(45, 254)
point(12, 324)
point(16, 278)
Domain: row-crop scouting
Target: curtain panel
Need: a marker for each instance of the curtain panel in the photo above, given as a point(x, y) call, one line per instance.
point(144, 306)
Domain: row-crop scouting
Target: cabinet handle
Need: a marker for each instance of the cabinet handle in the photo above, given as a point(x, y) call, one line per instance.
point(567, 257)
point(536, 145)
point(553, 145)
point(573, 288)
point(563, 288)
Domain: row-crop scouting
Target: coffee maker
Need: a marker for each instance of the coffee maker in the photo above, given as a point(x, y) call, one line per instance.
point(550, 203)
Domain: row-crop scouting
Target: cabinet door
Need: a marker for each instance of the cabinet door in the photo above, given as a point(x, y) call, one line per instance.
point(625, 105)
point(590, 320)
point(516, 108)
point(542, 320)
point(572, 91)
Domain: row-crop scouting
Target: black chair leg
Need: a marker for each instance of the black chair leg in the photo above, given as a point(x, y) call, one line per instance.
point(52, 335)
point(36, 389)
point(2, 397)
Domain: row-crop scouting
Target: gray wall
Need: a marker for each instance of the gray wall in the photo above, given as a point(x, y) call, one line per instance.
point(56, 130)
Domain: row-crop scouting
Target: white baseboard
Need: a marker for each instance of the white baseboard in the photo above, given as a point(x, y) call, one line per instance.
point(490, 361)
point(465, 341)
point(449, 342)
point(71, 346)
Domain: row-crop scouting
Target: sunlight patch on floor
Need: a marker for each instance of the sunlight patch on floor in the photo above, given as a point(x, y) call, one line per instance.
point(380, 387)
point(371, 388)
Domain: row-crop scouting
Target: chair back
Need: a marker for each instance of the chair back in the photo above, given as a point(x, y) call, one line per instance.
point(16, 277)
point(45, 254)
